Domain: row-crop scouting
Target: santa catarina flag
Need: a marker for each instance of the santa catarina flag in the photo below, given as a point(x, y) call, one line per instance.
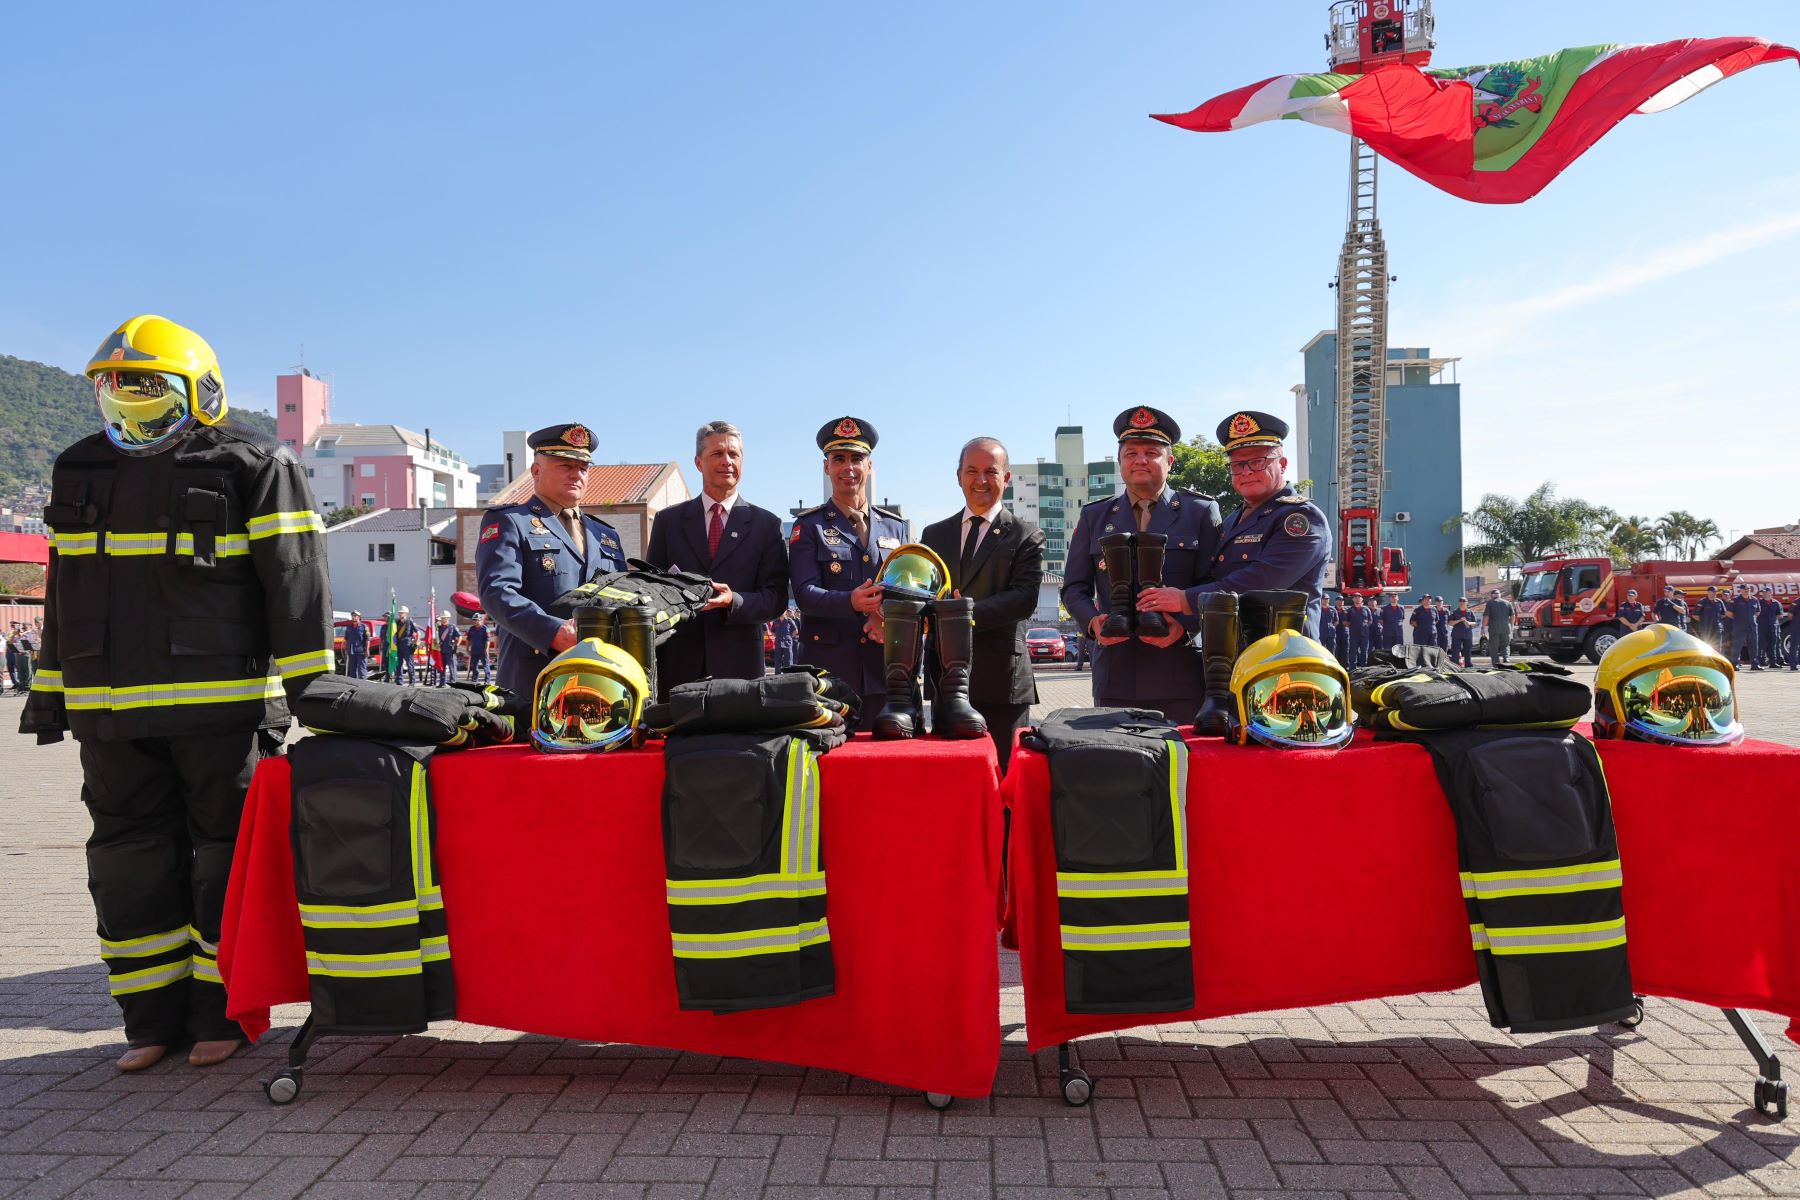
point(1496, 134)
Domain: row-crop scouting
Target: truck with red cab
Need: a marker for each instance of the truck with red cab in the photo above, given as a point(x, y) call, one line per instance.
point(1569, 607)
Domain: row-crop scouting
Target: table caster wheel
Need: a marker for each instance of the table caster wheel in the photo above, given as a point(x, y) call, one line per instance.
point(1635, 1019)
point(939, 1100)
point(1771, 1097)
point(284, 1087)
point(1077, 1088)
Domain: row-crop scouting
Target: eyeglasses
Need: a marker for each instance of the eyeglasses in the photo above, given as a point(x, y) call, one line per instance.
point(1250, 466)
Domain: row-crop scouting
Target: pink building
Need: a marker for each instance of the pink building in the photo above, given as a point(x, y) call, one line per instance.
point(368, 466)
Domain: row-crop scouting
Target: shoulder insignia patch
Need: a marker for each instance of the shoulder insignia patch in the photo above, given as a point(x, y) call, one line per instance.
point(490, 532)
point(796, 534)
point(1296, 525)
point(1296, 498)
point(887, 512)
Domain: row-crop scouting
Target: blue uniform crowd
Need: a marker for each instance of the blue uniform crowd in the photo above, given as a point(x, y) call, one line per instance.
point(1352, 630)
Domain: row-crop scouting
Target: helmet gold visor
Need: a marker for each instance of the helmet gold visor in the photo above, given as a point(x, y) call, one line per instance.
point(1298, 709)
point(583, 710)
point(143, 411)
point(1688, 703)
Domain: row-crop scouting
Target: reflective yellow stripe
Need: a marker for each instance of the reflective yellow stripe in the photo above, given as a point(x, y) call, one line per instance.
point(120, 544)
point(1556, 939)
point(47, 681)
point(750, 887)
point(206, 947)
point(350, 916)
point(1160, 935)
point(363, 966)
point(74, 543)
point(206, 969)
point(305, 664)
point(143, 947)
point(271, 524)
point(229, 545)
point(150, 977)
point(1178, 800)
point(435, 949)
point(784, 939)
point(1098, 885)
point(151, 695)
point(1478, 936)
point(1549, 881)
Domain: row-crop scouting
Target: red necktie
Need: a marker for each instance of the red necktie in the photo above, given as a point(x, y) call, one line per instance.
point(715, 530)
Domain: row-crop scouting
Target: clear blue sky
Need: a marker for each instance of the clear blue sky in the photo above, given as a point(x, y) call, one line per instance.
point(950, 219)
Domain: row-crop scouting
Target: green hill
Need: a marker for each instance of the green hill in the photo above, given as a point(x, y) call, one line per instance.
point(42, 410)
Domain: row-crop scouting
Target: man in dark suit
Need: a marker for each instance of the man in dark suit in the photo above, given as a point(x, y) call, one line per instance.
point(997, 561)
point(719, 533)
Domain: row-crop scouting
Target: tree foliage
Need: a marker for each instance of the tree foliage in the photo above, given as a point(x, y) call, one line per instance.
point(1514, 532)
point(43, 410)
point(338, 516)
point(1201, 466)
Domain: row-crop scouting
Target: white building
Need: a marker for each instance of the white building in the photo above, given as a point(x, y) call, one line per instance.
point(366, 466)
point(407, 551)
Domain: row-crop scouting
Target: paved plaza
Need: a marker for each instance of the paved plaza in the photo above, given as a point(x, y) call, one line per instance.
point(1413, 1095)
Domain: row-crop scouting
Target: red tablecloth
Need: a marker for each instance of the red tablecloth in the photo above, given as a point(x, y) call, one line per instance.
point(552, 872)
point(1318, 878)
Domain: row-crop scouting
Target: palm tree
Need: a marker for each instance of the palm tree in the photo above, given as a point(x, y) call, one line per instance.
point(1635, 538)
point(1515, 532)
point(1685, 534)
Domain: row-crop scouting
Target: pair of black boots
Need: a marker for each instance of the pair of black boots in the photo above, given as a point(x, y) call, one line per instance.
point(1133, 561)
point(903, 640)
point(1228, 624)
point(632, 628)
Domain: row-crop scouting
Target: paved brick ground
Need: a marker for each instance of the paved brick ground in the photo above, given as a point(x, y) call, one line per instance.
point(1412, 1096)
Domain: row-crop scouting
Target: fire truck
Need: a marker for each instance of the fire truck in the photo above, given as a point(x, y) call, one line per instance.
point(1570, 606)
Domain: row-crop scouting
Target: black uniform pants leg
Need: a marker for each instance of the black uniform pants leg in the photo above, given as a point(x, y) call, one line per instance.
point(1003, 721)
point(165, 813)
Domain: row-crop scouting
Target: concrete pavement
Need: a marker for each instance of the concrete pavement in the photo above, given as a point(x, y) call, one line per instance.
point(1412, 1095)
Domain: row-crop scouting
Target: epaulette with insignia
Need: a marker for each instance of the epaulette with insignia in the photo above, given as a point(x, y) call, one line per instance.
point(1296, 498)
point(807, 512)
point(1197, 495)
point(1100, 501)
point(887, 512)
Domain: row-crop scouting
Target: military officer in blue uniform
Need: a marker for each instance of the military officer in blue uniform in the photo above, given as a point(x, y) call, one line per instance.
point(1744, 641)
point(1362, 629)
point(1672, 609)
point(1340, 638)
point(1276, 539)
point(1632, 616)
point(1393, 624)
point(529, 554)
point(1328, 631)
point(1440, 613)
point(1160, 673)
point(1769, 632)
point(834, 557)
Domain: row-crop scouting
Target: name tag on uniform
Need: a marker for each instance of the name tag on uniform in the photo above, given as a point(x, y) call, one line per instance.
point(887, 543)
point(1247, 537)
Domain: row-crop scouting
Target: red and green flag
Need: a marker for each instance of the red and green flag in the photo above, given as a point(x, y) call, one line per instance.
point(1495, 134)
point(390, 639)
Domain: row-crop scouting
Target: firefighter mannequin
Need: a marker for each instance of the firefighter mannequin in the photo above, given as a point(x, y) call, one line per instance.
point(186, 590)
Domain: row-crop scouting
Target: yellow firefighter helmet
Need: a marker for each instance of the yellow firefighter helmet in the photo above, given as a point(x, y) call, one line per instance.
point(1287, 691)
point(590, 697)
point(1662, 685)
point(152, 380)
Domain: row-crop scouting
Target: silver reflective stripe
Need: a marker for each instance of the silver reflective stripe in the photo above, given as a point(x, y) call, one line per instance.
point(151, 977)
point(791, 817)
point(1179, 784)
point(1141, 883)
point(809, 803)
point(136, 543)
point(206, 969)
point(144, 947)
point(205, 946)
point(430, 898)
point(375, 916)
point(403, 963)
point(1529, 883)
point(680, 892)
point(1074, 938)
point(754, 941)
point(1551, 939)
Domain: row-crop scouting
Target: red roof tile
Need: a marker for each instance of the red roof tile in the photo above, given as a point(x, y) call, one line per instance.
point(607, 483)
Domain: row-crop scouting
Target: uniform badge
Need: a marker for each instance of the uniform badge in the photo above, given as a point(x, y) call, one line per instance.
point(1243, 425)
point(836, 566)
point(578, 437)
point(548, 562)
point(847, 428)
point(1109, 529)
point(1143, 418)
point(887, 543)
point(1296, 525)
point(796, 535)
point(537, 525)
point(490, 532)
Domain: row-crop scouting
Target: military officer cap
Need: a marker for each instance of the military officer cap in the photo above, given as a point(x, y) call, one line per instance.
point(848, 433)
point(1146, 424)
point(564, 441)
point(1249, 428)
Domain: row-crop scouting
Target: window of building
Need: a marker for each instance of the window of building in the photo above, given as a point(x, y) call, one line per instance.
point(368, 499)
point(290, 408)
point(381, 552)
point(309, 472)
point(366, 470)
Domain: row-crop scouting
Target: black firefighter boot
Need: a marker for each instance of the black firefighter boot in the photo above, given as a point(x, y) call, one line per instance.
point(1271, 611)
point(1122, 615)
point(1218, 654)
point(1150, 550)
point(634, 632)
point(902, 633)
point(953, 638)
